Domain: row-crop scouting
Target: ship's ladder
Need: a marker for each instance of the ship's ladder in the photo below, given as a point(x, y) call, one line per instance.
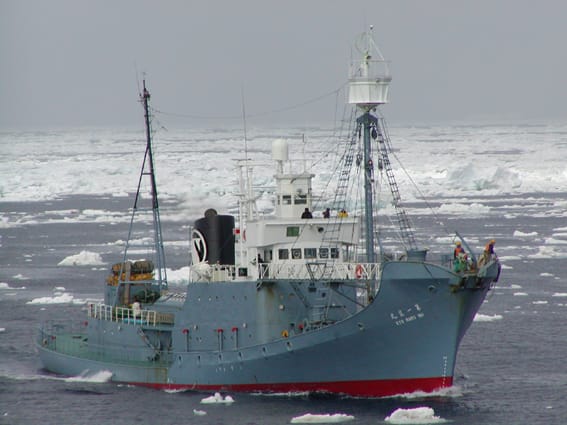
point(404, 223)
point(330, 238)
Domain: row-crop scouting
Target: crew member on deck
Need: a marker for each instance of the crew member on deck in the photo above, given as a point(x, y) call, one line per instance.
point(306, 213)
point(136, 308)
point(489, 249)
point(488, 252)
point(327, 213)
point(458, 249)
point(342, 213)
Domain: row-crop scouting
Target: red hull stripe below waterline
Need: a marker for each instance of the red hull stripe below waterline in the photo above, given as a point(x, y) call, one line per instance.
point(381, 388)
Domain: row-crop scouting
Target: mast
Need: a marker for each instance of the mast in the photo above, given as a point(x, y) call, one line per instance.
point(158, 239)
point(368, 122)
point(369, 83)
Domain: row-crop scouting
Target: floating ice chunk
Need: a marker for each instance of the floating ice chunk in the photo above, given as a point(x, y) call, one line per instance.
point(474, 209)
point(487, 318)
point(2, 330)
point(560, 294)
point(87, 376)
point(520, 234)
point(548, 252)
point(510, 258)
point(520, 294)
point(217, 398)
point(539, 302)
point(83, 258)
point(418, 415)
point(58, 298)
point(197, 412)
point(321, 419)
point(178, 277)
point(546, 274)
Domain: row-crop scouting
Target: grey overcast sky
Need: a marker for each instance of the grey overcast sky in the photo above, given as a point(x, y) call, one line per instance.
point(66, 63)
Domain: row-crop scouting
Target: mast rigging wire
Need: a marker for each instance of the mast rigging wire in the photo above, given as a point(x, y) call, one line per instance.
point(259, 114)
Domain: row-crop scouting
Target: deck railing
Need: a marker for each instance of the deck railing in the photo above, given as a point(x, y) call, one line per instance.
point(285, 270)
point(123, 314)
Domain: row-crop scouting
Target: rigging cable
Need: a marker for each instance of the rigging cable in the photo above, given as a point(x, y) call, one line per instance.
point(259, 114)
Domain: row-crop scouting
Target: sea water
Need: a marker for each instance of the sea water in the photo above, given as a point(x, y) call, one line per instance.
point(64, 218)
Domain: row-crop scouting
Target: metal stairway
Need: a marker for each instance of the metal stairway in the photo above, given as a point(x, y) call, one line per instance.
point(384, 146)
point(331, 236)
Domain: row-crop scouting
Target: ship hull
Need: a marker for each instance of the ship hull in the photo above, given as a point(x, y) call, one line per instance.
point(406, 340)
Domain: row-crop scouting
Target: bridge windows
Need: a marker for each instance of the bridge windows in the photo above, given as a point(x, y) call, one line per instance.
point(310, 252)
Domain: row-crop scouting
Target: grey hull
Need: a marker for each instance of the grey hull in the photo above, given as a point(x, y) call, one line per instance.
point(405, 340)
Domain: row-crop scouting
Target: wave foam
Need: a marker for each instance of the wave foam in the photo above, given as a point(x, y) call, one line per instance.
point(93, 377)
point(454, 391)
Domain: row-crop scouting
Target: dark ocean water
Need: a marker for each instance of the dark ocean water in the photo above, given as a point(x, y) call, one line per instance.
point(511, 367)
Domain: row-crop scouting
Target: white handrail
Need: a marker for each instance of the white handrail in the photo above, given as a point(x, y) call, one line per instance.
point(290, 270)
point(122, 314)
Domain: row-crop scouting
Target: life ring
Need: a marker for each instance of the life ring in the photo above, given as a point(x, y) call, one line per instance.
point(285, 333)
point(358, 271)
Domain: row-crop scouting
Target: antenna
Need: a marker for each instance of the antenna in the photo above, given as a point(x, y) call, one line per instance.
point(304, 158)
point(248, 178)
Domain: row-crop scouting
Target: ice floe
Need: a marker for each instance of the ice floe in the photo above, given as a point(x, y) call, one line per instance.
point(310, 418)
point(83, 258)
point(4, 285)
point(520, 234)
point(417, 415)
point(59, 297)
point(487, 318)
point(217, 398)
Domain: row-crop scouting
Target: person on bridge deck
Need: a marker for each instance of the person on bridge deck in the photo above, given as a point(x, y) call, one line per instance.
point(306, 214)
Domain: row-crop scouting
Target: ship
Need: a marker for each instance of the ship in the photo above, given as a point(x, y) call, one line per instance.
point(301, 299)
